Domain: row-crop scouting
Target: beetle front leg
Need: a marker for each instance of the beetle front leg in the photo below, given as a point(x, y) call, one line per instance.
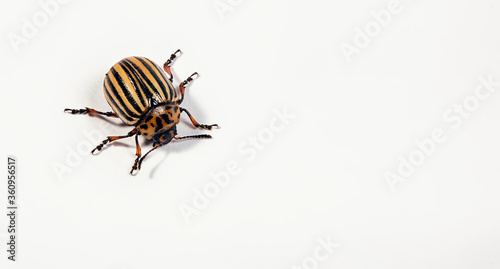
point(196, 124)
point(90, 111)
point(137, 153)
point(113, 138)
point(168, 63)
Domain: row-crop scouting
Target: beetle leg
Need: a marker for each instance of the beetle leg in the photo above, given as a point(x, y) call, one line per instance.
point(196, 124)
point(138, 166)
point(113, 138)
point(90, 111)
point(182, 86)
point(137, 153)
point(169, 62)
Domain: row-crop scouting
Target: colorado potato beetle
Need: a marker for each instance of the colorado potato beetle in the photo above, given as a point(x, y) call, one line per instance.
point(141, 95)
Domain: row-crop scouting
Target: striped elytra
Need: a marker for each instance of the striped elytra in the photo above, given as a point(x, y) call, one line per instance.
point(133, 85)
point(141, 94)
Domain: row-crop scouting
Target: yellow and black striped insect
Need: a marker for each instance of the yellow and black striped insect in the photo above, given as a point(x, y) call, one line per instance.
point(142, 96)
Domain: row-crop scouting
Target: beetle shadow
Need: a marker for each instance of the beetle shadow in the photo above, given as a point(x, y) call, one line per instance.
point(172, 147)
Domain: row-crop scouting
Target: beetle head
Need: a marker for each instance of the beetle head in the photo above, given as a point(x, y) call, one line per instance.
point(165, 137)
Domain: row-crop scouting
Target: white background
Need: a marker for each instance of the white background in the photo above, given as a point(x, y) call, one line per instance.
point(323, 177)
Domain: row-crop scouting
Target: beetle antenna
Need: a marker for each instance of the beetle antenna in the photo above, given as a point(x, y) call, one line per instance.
point(140, 161)
point(194, 136)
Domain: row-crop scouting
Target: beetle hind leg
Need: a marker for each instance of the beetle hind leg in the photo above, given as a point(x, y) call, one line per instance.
point(90, 111)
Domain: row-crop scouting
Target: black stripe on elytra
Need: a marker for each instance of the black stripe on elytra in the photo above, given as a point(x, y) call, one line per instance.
point(120, 112)
point(158, 80)
point(153, 93)
point(119, 99)
point(126, 92)
point(136, 82)
point(173, 93)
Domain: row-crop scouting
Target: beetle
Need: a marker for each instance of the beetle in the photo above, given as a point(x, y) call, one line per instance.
point(141, 95)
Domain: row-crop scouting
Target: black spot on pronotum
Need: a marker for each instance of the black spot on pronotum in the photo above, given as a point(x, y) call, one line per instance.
point(144, 126)
point(167, 119)
point(159, 124)
point(176, 108)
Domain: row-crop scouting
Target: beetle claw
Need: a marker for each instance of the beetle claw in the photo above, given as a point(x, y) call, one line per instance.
point(134, 167)
point(190, 78)
point(209, 127)
point(133, 170)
